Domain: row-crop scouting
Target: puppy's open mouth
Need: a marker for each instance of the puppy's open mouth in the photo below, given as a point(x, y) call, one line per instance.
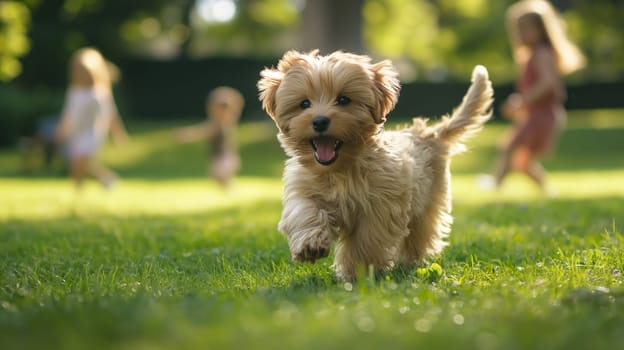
point(325, 149)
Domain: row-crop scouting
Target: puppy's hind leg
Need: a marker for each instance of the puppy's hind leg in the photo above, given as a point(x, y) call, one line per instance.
point(426, 237)
point(366, 247)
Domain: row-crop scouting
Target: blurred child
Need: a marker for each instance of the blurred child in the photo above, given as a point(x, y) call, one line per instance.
point(88, 115)
point(41, 143)
point(543, 54)
point(223, 110)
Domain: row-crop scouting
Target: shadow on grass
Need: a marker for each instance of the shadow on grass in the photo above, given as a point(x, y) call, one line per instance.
point(261, 156)
point(152, 154)
point(259, 159)
point(589, 149)
point(242, 246)
point(579, 149)
point(106, 280)
point(517, 232)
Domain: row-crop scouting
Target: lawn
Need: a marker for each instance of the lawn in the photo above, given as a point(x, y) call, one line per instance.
point(168, 260)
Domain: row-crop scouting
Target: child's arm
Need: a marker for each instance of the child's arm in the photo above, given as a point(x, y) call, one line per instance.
point(118, 129)
point(513, 108)
point(62, 130)
point(547, 78)
point(60, 133)
point(194, 133)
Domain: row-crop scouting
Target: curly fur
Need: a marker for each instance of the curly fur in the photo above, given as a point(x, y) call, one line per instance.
point(385, 197)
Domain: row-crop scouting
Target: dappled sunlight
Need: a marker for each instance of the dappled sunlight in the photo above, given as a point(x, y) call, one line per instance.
point(168, 248)
point(572, 185)
point(219, 11)
point(23, 198)
point(250, 133)
point(587, 144)
point(137, 148)
point(161, 177)
point(596, 119)
point(145, 144)
point(55, 198)
point(179, 245)
point(153, 153)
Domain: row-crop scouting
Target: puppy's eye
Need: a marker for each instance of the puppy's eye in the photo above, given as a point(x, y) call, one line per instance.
point(305, 104)
point(343, 100)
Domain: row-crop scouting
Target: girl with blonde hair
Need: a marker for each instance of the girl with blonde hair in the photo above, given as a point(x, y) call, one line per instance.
point(543, 54)
point(88, 115)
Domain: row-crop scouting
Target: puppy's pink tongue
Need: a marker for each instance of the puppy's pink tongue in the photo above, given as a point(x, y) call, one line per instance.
point(325, 149)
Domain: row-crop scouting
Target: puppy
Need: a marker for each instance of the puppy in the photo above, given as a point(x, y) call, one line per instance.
point(383, 196)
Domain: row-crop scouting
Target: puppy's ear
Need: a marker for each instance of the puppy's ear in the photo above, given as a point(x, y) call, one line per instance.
point(387, 87)
point(271, 78)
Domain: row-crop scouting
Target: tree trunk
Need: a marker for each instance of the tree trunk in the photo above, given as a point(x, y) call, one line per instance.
point(331, 25)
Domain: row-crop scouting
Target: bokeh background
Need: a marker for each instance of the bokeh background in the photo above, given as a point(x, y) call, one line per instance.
point(171, 52)
point(168, 260)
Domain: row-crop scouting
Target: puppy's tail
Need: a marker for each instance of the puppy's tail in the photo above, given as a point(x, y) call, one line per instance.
point(472, 113)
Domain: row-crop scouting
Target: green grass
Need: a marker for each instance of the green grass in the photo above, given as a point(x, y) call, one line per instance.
point(167, 260)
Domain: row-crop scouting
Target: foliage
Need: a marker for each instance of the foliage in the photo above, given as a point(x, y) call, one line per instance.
point(430, 39)
point(598, 28)
point(259, 28)
point(177, 263)
point(58, 27)
point(404, 28)
point(21, 110)
point(447, 38)
point(14, 22)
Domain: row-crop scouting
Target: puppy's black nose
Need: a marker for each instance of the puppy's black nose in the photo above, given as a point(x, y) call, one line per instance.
point(320, 123)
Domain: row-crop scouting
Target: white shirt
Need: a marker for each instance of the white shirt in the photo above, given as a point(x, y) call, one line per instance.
point(89, 113)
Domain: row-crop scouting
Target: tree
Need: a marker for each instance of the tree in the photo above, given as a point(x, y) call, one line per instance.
point(444, 38)
point(427, 39)
point(14, 21)
point(331, 25)
point(160, 29)
point(257, 28)
point(598, 27)
point(58, 27)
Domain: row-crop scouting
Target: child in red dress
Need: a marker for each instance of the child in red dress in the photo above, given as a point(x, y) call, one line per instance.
point(543, 54)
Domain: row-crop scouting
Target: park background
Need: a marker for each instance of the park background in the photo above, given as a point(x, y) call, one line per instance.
point(169, 260)
point(171, 53)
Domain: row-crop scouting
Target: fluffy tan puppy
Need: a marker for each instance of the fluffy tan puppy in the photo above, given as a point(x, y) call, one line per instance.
point(383, 196)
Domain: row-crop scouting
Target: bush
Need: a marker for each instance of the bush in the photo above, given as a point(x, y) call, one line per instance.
point(21, 109)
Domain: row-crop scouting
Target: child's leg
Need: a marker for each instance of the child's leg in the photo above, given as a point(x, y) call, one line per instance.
point(526, 162)
point(106, 176)
point(536, 172)
point(224, 168)
point(78, 168)
point(503, 166)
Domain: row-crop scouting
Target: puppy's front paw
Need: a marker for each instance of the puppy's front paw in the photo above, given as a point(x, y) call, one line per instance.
point(311, 249)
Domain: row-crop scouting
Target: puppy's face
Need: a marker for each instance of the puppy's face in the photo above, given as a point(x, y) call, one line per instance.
point(327, 107)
